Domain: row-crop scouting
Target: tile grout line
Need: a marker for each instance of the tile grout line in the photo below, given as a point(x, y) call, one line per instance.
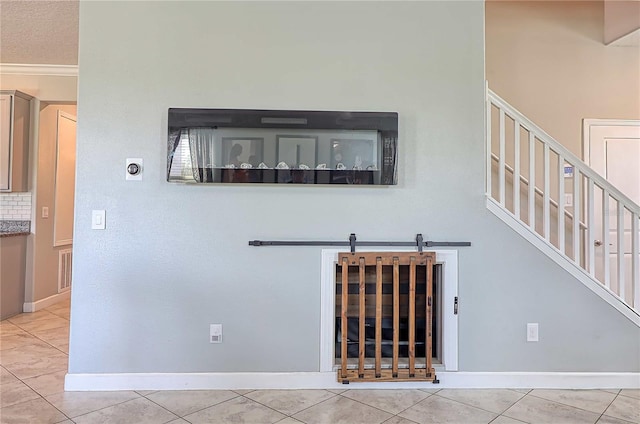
point(67, 355)
point(610, 403)
point(507, 416)
point(394, 415)
point(287, 415)
point(608, 406)
point(482, 409)
point(398, 414)
point(571, 406)
point(156, 403)
point(504, 416)
point(26, 384)
point(42, 340)
point(182, 416)
point(100, 409)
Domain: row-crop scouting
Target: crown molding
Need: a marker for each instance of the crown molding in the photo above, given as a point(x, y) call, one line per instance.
point(35, 69)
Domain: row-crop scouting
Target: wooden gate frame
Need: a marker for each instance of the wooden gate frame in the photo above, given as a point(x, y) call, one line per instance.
point(363, 259)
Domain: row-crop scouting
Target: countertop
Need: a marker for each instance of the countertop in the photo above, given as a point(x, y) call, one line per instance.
point(14, 228)
point(13, 233)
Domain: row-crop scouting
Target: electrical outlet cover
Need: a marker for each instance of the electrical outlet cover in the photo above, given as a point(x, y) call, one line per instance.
point(215, 333)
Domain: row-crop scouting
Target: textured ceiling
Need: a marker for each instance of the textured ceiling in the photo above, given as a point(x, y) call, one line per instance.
point(39, 32)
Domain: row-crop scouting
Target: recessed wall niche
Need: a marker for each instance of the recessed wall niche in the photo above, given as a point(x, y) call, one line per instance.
point(282, 147)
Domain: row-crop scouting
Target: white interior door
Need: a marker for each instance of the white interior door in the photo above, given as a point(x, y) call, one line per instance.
point(612, 148)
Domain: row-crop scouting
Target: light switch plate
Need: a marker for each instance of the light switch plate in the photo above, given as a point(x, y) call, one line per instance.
point(45, 212)
point(532, 332)
point(568, 199)
point(98, 218)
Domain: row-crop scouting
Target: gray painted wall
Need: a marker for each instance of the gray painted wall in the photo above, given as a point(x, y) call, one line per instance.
point(174, 258)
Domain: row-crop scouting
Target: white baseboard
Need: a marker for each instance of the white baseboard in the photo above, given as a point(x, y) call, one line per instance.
point(327, 380)
point(46, 302)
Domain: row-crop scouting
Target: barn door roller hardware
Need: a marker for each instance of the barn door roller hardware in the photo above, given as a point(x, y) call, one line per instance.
point(352, 243)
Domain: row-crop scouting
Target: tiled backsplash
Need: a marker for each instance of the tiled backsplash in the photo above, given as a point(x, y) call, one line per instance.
point(15, 206)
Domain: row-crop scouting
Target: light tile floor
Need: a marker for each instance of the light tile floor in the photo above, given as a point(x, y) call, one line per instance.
point(33, 361)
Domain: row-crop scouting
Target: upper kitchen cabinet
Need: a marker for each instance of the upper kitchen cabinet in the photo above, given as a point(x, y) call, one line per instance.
point(15, 112)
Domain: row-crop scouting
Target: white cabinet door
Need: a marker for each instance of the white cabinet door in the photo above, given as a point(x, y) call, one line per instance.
point(5, 141)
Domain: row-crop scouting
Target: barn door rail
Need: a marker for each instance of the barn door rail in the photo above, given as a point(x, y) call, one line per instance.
point(419, 243)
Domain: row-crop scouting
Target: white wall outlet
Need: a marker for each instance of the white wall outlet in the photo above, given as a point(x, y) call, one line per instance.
point(45, 212)
point(98, 218)
point(568, 199)
point(532, 332)
point(133, 169)
point(215, 333)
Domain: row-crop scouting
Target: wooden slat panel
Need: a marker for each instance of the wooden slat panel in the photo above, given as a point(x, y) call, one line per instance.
point(429, 320)
point(412, 318)
point(387, 305)
point(378, 317)
point(411, 306)
point(343, 317)
point(370, 258)
point(396, 313)
point(388, 375)
point(361, 319)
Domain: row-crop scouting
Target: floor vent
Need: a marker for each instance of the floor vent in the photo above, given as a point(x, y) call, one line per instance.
point(64, 270)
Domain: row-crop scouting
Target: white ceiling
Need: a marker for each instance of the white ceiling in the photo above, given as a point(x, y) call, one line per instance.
point(39, 32)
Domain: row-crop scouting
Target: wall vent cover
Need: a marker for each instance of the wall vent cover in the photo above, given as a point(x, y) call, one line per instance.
point(64, 270)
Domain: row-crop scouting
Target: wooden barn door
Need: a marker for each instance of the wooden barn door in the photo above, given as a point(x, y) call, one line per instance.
point(385, 301)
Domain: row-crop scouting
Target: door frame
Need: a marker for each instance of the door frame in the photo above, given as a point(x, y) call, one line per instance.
point(588, 125)
point(57, 183)
point(586, 132)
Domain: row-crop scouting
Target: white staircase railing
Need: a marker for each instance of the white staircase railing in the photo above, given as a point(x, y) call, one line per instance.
point(564, 202)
